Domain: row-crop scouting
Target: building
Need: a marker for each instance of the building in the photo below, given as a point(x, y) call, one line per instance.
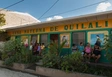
point(14, 18)
point(78, 29)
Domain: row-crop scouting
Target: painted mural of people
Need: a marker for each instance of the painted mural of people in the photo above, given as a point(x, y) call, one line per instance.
point(98, 41)
point(65, 38)
point(26, 42)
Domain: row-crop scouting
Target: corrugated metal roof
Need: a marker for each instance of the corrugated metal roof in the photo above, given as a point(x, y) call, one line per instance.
point(14, 18)
point(77, 19)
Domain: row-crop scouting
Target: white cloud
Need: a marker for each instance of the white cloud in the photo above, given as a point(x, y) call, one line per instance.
point(54, 18)
point(103, 6)
point(49, 19)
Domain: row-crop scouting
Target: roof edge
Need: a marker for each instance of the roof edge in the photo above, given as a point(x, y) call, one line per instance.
point(64, 19)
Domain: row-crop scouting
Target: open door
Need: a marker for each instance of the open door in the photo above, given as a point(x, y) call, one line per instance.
point(54, 38)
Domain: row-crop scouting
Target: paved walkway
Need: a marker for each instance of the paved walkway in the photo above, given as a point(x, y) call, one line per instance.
point(10, 73)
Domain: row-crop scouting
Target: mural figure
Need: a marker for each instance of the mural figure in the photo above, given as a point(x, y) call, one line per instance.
point(26, 42)
point(97, 38)
point(65, 37)
point(98, 41)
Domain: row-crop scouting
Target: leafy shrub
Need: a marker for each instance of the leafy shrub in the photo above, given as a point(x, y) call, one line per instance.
point(25, 56)
point(9, 61)
point(4, 56)
point(15, 51)
point(73, 62)
point(99, 70)
point(1, 49)
point(10, 48)
point(4, 35)
point(1, 46)
point(108, 46)
point(51, 58)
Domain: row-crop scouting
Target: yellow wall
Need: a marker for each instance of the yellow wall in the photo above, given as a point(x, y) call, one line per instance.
point(61, 28)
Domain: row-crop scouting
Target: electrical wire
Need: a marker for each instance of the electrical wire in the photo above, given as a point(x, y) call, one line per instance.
point(74, 9)
point(48, 10)
point(12, 5)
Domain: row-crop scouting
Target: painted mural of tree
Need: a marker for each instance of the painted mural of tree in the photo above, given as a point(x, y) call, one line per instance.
point(2, 19)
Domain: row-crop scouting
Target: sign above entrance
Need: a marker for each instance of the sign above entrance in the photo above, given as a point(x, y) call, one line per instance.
point(62, 28)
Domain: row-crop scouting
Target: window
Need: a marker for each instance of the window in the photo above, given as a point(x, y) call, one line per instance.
point(44, 39)
point(34, 39)
point(78, 37)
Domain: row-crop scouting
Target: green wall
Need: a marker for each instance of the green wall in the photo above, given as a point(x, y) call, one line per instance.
point(66, 51)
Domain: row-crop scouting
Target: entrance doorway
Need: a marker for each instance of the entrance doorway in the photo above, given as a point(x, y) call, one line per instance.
point(54, 38)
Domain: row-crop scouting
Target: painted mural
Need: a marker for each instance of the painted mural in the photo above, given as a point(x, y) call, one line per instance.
point(95, 36)
point(24, 40)
point(65, 37)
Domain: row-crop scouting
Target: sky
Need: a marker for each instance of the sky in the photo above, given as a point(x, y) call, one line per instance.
point(37, 7)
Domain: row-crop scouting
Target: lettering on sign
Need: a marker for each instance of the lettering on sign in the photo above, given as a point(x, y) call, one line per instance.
point(80, 26)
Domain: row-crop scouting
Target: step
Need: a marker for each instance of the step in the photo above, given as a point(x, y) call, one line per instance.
point(33, 67)
point(39, 63)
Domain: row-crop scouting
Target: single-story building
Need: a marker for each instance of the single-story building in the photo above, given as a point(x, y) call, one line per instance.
point(77, 29)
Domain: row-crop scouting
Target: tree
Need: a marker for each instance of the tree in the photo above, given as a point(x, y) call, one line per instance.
point(3, 34)
point(2, 19)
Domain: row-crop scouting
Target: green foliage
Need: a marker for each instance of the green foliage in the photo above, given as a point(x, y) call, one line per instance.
point(108, 46)
point(10, 48)
point(73, 62)
point(4, 36)
point(25, 56)
point(51, 58)
point(2, 19)
point(8, 61)
point(1, 49)
point(54, 48)
point(13, 45)
point(99, 70)
point(14, 51)
point(0, 55)
point(4, 56)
